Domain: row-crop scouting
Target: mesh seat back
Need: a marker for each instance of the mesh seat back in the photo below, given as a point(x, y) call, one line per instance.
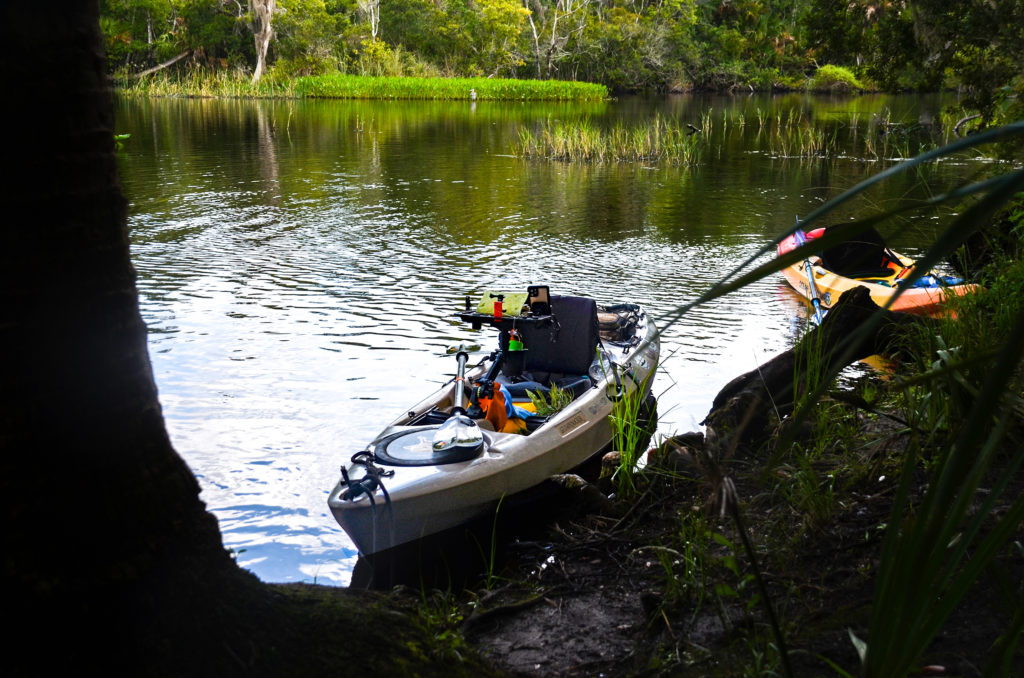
point(569, 347)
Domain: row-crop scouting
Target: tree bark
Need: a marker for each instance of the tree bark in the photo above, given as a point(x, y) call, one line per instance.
point(536, 44)
point(110, 560)
point(371, 10)
point(746, 410)
point(97, 503)
point(263, 14)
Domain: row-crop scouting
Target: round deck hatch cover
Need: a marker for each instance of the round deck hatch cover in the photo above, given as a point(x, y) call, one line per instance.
point(416, 448)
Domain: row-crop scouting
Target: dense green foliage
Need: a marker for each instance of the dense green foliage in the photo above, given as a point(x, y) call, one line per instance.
point(663, 45)
point(926, 44)
point(835, 79)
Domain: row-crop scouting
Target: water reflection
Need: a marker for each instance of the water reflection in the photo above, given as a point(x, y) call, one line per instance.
point(298, 261)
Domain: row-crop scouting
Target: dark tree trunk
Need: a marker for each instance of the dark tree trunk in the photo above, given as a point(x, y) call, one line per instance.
point(106, 542)
point(110, 560)
point(748, 408)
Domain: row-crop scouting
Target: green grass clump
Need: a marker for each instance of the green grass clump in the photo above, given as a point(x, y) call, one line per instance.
point(830, 78)
point(633, 420)
point(204, 83)
point(551, 403)
point(581, 141)
point(340, 86)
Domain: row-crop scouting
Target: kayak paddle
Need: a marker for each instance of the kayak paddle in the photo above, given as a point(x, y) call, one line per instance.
point(819, 314)
point(458, 433)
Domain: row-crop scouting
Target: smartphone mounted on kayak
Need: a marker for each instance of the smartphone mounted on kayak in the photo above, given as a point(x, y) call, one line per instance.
point(539, 299)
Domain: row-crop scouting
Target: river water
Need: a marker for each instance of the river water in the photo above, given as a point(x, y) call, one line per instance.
point(298, 263)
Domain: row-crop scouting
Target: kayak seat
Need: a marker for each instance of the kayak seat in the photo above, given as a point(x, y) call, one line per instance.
point(567, 347)
point(561, 353)
point(872, 273)
point(864, 256)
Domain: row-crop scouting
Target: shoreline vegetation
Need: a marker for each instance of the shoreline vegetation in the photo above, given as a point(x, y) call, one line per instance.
point(203, 83)
point(526, 50)
point(223, 84)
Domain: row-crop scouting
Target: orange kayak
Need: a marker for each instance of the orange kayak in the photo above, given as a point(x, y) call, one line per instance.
point(885, 278)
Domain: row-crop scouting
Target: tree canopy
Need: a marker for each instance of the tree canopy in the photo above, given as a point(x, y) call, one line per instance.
point(629, 45)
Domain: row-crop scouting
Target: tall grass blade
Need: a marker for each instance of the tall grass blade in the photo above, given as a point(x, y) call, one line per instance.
point(921, 581)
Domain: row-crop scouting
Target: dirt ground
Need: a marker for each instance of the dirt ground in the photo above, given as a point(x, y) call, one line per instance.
point(614, 592)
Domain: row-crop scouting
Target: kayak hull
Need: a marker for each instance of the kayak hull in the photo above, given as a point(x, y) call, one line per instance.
point(830, 286)
point(425, 500)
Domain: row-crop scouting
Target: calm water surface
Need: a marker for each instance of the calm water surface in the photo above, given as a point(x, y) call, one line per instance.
point(298, 262)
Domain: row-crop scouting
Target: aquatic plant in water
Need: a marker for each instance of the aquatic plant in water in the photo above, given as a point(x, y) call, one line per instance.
point(583, 141)
point(341, 86)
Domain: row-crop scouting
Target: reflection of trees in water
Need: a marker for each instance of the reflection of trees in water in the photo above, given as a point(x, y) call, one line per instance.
point(267, 152)
point(447, 169)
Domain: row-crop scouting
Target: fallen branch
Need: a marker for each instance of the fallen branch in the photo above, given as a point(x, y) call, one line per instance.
point(169, 62)
point(962, 122)
point(478, 617)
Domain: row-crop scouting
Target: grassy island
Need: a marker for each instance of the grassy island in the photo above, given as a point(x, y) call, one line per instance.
point(340, 86)
point(201, 83)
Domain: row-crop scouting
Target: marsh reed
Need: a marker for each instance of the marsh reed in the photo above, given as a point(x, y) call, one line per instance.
point(793, 134)
point(340, 86)
point(202, 83)
point(659, 141)
point(205, 83)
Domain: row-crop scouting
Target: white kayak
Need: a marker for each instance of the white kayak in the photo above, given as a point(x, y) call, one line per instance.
point(441, 465)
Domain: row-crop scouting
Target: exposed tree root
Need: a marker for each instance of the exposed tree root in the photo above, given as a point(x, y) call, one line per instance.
point(746, 410)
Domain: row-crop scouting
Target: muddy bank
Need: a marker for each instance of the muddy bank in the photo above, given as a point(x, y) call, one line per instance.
point(670, 592)
point(661, 583)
